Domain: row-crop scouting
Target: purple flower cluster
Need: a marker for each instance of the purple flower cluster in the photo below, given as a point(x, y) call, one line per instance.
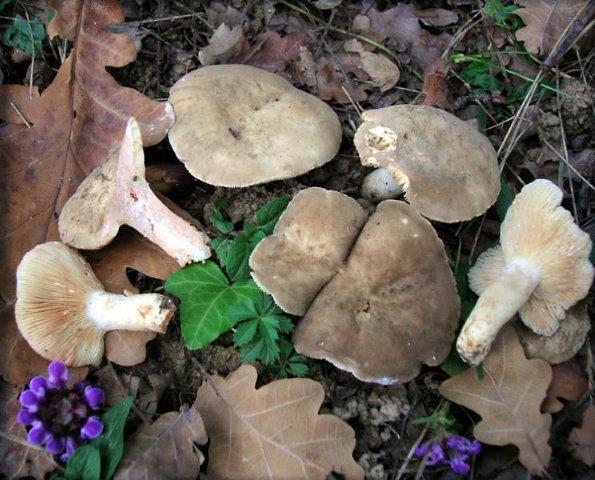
point(453, 450)
point(60, 416)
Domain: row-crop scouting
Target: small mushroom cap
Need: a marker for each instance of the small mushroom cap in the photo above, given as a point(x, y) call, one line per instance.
point(53, 282)
point(562, 345)
point(238, 125)
point(537, 229)
point(309, 245)
point(392, 307)
point(91, 218)
point(447, 168)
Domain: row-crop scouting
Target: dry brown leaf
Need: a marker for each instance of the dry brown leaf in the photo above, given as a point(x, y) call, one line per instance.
point(165, 449)
point(74, 123)
point(437, 17)
point(583, 439)
point(435, 87)
point(272, 432)
point(224, 44)
point(508, 399)
point(18, 460)
point(545, 22)
point(568, 382)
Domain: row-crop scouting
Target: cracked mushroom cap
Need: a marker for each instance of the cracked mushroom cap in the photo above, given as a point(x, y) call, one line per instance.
point(393, 305)
point(53, 282)
point(447, 168)
point(541, 232)
point(238, 125)
point(307, 248)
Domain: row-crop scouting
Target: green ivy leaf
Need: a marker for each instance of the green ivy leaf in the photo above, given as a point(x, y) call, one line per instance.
point(218, 219)
point(85, 464)
point(234, 254)
point(210, 305)
point(25, 35)
point(267, 216)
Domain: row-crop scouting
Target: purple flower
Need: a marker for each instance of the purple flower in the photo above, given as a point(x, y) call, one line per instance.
point(474, 447)
point(459, 464)
point(60, 416)
point(435, 456)
point(458, 444)
point(422, 450)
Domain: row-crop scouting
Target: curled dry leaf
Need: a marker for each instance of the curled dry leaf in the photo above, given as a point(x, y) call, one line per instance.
point(568, 382)
point(165, 449)
point(383, 73)
point(508, 398)
point(224, 44)
point(273, 432)
point(583, 439)
point(545, 22)
point(75, 123)
point(435, 87)
point(18, 460)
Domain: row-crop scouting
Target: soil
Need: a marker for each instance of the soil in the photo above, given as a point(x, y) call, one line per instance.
point(381, 416)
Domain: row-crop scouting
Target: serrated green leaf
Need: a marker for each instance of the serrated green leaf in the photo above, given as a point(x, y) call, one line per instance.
point(218, 219)
point(267, 216)
point(245, 332)
point(85, 464)
point(210, 305)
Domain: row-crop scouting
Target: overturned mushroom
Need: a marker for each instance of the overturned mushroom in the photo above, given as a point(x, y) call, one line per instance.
point(380, 185)
point(540, 269)
point(238, 125)
point(117, 194)
point(63, 311)
point(379, 300)
point(446, 167)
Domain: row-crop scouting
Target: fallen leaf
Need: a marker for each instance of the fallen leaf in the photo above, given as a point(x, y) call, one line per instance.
point(167, 177)
point(165, 449)
point(217, 13)
point(18, 460)
point(437, 17)
point(383, 73)
point(508, 399)
point(224, 44)
point(77, 120)
point(435, 87)
point(583, 439)
point(545, 22)
point(327, 4)
point(272, 432)
point(568, 383)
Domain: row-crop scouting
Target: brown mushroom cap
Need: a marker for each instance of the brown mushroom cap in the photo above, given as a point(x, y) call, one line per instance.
point(309, 244)
point(238, 125)
point(53, 282)
point(447, 168)
point(393, 306)
point(562, 345)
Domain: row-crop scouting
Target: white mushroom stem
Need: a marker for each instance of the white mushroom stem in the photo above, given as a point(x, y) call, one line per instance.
point(143, 312)
point(496, 306)
point(148, 215)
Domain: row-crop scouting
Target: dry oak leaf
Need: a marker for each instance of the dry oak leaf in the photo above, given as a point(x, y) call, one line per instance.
point(508, 399)
point(568, 382)
point(224, 44)
point(545, 22)
point(165, 449)
point(583, 439)
point(18, 460)
point(272, 432)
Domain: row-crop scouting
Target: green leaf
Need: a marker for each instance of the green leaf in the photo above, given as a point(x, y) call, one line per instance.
point(25, 35)
point(111, 443)
point(217, 218)
point(85, 464)
point(210, 305)
point(267, 216)
point(233, 255)
point(504, 200)
point(290, 364)
point(4, 3)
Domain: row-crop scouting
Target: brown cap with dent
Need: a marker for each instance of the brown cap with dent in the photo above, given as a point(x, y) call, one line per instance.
point(53, 282)
point(448, 169)
point(238, 125)
point(392, 307)
point(309, 245)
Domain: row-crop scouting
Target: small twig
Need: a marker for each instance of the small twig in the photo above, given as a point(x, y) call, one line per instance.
point(32, 55)
point(471, 23)
point(561, 157)
point(166, 19)
point(409, 456)
point(20, 115)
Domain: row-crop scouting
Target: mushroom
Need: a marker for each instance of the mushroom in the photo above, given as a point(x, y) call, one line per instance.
point(379, 298)
point(562, 345)
point(540, 269)
point(309, 245)
point(447, 168)
point(117, 194)
point(238, 125)
point(380, 185)
point(63, 312)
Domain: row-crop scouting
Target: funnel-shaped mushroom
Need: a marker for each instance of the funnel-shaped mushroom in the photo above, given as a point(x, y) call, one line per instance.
point(447, 168)
point(540, 269)
point(238, 125)
point(117, 194)
point(63, 312)
point(379, 300)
